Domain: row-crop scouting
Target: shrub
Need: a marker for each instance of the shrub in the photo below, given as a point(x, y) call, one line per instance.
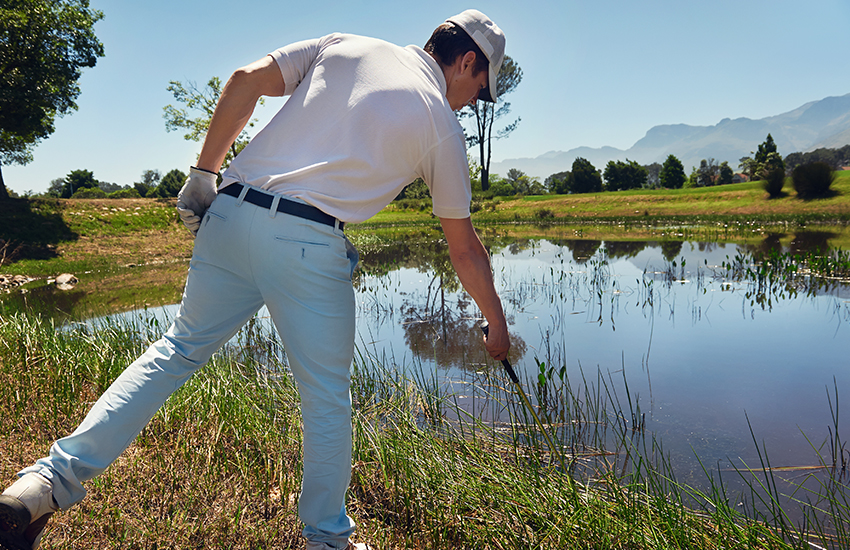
point(773, 183)
point(90, 193)
point(544, 214)
point(131, 193)
point(812, 180)
point(772, 171)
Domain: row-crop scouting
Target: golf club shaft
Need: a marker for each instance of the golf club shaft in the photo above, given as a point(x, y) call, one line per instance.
point(485, 328)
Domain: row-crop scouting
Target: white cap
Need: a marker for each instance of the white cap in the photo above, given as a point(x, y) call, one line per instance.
point(490, 39)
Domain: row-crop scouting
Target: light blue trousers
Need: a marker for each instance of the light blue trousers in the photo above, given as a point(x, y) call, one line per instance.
point(245, 256)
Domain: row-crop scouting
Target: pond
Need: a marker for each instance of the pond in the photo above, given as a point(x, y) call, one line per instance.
point(717, 362)
point(703, 353)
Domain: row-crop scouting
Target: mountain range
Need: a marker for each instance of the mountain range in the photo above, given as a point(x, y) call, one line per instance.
point(824, 123)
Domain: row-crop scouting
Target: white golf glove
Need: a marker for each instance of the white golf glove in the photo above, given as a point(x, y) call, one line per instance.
point(195, 197)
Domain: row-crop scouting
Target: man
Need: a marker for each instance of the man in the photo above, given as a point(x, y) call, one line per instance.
point(363, 119)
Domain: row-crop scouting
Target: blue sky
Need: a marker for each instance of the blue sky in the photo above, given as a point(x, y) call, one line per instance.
point(596, 73)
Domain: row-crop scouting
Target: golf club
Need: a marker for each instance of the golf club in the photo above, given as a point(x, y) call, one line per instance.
point(485, 328)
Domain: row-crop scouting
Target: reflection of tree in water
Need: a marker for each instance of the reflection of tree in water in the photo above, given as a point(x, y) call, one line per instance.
point(811, 241)
point(671, 249)
point(802, 243)
point(581, 250)
point(46, 301)
point(770, 243)
point(438, 319)
point(624, 249)
point(439, 325)
point(708, 247)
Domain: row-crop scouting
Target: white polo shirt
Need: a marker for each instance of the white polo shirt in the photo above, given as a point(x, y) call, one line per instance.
point(364, 119)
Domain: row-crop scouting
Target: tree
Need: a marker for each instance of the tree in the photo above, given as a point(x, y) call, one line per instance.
point(621, 175)
point(55, 188)
point(585, 177)
point(44, 44)
point(672, 174)
point(748, 167)
point(486, 114)
point(110, 187)
point(707, 172)
point(653, 173)
point(726, 174)
point(523, 184)
point(767, 147)
point(76, 180)
point(169, 186)
point(203, 101)
point(150, 179)
point(558, 183)
point(772, 171)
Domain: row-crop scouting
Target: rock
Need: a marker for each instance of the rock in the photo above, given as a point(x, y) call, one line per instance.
point(66, 281)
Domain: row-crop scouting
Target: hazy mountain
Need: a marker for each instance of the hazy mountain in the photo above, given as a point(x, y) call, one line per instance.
point(824, 123)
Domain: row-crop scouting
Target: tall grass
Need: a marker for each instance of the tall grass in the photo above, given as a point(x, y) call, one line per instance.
point(219, 466)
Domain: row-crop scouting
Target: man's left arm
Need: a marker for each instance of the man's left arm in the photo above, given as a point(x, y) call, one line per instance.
point(472, 264)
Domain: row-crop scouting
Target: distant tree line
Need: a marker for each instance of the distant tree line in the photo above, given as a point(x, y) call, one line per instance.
point(835, 158)
point(81, 184)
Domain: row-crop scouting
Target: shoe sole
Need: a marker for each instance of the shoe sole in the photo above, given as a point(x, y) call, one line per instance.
point(14, 519)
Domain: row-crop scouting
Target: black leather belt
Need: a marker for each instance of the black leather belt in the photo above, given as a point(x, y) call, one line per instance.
point(255, 196)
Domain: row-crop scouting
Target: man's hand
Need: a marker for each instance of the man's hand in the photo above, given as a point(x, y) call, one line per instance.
point(497, 341)
point(195, 197)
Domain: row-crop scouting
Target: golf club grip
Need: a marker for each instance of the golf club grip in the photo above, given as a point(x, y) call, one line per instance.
point(485, 328)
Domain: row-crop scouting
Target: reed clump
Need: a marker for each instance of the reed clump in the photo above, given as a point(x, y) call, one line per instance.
point(219, 465)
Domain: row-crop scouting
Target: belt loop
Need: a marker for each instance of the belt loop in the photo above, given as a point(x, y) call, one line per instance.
point(337, 225)
point(273, 207)
point(242, 194)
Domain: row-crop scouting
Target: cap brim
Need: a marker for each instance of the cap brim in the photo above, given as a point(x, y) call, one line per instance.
point(485, 94)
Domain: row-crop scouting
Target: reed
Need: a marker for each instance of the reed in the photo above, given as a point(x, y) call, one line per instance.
point(219, 465)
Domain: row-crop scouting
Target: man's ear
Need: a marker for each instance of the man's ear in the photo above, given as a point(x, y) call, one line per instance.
point(467, 61)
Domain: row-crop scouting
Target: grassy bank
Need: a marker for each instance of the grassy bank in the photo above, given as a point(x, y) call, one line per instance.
point(219, 465)
point(51, 236)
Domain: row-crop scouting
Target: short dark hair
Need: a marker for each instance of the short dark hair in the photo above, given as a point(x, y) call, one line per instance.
point(449, 41)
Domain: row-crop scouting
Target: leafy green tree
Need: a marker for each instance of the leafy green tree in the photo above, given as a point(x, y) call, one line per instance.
point(110, 187)
point(55, 188)
point(169, 186)
point(767, 147)
point(585, 177)
point(201, 101)
point(653, 173)
point(76, 180)
point(486, 114)
point(772, 171)
point(693, 179)
point(558, 183)
point(89, 193)
point(44, 45)
point(707, 172)
point(150, 179)
point(726, 174)
point(672, 175)
point(748, 167)
point(523, 184)
point(621, 175)
point(418, 189)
